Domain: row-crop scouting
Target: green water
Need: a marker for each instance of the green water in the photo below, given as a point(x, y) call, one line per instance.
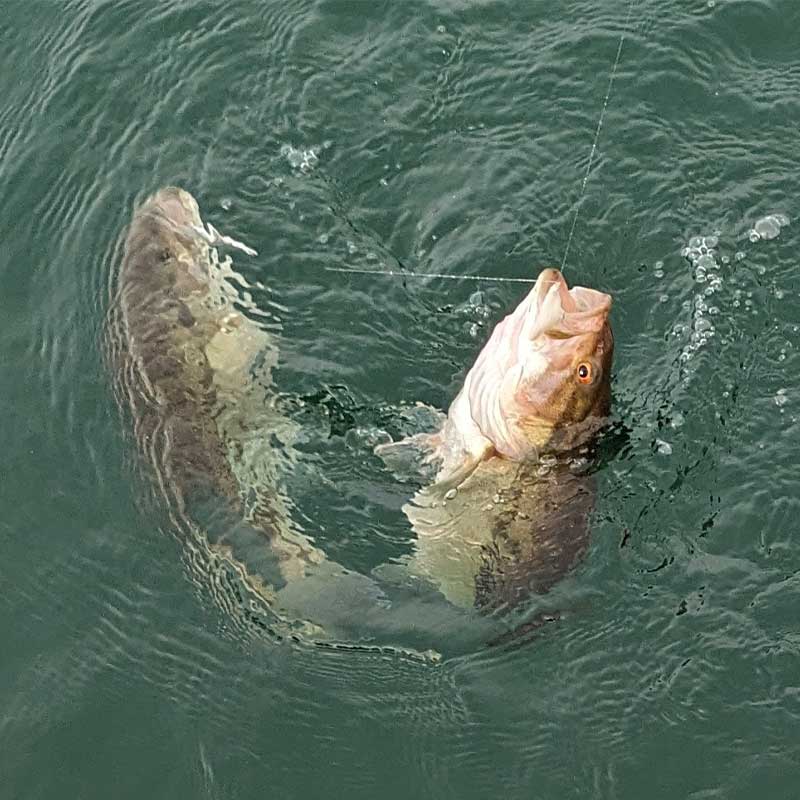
point(448, 137)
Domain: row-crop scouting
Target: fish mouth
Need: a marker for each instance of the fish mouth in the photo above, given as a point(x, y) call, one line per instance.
point(176, 206)
point(562, 312)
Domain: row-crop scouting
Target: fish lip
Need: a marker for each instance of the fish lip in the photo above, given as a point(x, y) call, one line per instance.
point(568, 311)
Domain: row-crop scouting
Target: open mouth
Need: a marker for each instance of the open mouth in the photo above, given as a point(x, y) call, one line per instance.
point(561, 311)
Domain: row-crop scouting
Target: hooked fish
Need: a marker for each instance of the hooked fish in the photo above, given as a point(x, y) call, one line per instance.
point(508, 511)
point(194, 373)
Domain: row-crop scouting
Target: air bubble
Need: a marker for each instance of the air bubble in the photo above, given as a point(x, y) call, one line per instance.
point(664, 448)
point(303, 159)
point(769, 227)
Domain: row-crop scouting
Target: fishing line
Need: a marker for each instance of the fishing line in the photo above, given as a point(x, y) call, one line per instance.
point(597, 134)
point(581, 196)
point(391, 273)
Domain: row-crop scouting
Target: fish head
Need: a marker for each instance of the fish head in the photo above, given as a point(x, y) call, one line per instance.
point(543, 378)
point(178, 216)
point(166, 236)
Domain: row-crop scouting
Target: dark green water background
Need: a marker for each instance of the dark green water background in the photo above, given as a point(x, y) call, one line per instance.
point(448, 137)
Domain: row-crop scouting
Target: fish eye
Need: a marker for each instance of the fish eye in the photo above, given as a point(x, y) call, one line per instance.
point(584, 372)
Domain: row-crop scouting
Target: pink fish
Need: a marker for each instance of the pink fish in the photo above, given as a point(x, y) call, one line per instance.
point(503, 500)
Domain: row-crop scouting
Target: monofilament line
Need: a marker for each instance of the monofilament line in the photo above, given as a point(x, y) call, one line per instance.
point(597, 134)
point(390, 273)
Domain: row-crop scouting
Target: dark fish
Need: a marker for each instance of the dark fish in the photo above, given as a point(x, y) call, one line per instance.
point(194, 370)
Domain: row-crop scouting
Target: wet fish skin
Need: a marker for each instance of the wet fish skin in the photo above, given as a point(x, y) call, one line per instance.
point(508, 515)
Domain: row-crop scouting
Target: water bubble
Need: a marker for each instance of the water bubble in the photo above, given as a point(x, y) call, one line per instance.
point(366, 438)
point(450, 493)
point(384, 182)
point(695, 242)
point(299, 158)
point(780, 398)
point(706, 261)
point(769, 227)
point(780, 294)
point(323, 238)
point(662, 447)
point(441, 29)
point(740, 255)
point(663, 298)
point(659, 273)
point(351, 247)
point(226, 203)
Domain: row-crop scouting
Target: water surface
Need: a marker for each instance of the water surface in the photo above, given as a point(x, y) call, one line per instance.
point(452, 138)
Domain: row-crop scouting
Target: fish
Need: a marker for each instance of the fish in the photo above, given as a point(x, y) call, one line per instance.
point(194, 374)
point(508, 511)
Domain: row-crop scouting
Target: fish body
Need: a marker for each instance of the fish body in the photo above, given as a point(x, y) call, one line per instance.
point(195, 373)
point(508, 511)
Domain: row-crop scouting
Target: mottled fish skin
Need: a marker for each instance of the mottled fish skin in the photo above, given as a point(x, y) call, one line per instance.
point(508, 514)
point(163, 275)
point(185, 355)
